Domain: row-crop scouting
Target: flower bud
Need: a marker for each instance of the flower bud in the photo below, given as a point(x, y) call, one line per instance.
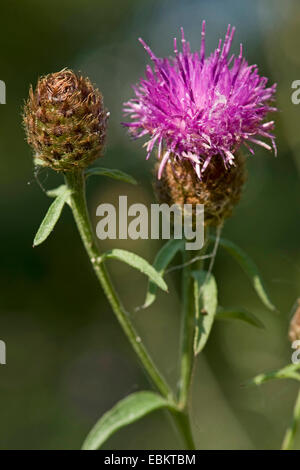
point(294, 330)
point(65, 121)
point(219, 189)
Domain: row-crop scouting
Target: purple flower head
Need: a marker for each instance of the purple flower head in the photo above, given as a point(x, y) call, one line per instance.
point(195, 107)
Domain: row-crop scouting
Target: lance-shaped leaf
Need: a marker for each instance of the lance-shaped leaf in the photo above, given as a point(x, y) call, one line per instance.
point(115, 174)
point(138, 263)
point(125, 412)
point(206, 303)
point(239, 314)
point(289, 372)
point(250, 269)
point(51, 217)
point(161, 262)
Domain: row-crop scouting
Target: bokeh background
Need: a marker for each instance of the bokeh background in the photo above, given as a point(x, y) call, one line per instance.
point(67, 359)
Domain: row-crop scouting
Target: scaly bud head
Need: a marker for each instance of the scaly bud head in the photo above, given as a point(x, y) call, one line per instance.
point(218, 189)
point(65, 121)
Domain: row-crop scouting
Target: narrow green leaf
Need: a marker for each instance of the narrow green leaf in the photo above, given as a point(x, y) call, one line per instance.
point(288, 372)
point(57, 191)
point(138, 263)
point(115, 174)
point(125, 412)
point(206, 307)
point(250, 269)
point(161, 262)
point(239, 314)
point(51, 218)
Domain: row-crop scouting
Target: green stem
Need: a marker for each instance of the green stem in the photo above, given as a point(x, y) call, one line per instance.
point(190, 294)
point(187, 331)
point(290, 435)
point(76, 182)
point(183, 424)
point(187, 353)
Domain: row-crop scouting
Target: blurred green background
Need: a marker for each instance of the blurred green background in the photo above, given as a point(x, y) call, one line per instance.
point(67, 359)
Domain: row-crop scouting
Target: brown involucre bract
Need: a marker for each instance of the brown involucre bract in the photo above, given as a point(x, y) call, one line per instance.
point(218, 189)
point(65, 121)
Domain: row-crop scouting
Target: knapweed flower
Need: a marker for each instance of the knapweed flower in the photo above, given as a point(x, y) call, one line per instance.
point(198, 111)
point(65, 121)
point(195, 108)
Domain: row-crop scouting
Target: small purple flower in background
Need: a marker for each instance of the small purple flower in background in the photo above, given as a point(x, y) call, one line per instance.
point(195, 107)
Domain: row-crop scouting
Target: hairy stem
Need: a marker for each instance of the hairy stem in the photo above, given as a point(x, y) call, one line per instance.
point(76, 182)
point(290, 435)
